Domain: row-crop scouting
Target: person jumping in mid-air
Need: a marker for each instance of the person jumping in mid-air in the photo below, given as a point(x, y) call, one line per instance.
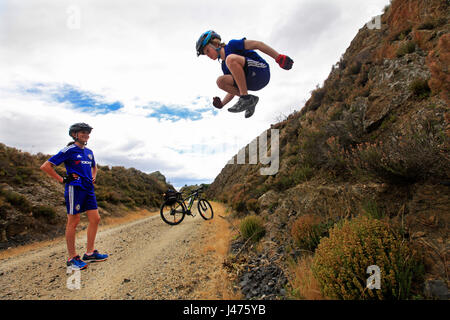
point(243, 68)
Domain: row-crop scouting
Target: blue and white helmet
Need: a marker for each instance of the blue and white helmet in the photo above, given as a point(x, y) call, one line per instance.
point(204, 39)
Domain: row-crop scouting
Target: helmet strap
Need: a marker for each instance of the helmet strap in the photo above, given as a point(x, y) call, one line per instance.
point(76, 138)
point(218, 53)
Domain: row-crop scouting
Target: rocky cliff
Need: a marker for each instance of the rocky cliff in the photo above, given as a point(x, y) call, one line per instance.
point(373, 140)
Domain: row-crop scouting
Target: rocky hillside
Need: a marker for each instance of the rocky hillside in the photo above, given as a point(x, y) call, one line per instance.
point(32, 204)
point(371, 142)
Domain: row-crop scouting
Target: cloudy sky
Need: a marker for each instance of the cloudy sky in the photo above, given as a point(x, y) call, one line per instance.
point(130, 70)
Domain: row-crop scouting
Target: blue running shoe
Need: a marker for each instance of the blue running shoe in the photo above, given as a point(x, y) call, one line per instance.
point(77, 263)
point(95, 257)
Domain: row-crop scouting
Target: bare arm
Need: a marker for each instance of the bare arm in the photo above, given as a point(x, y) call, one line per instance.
point(94, 173)
point(227, 98)
point(47, 167)
point(261, 46)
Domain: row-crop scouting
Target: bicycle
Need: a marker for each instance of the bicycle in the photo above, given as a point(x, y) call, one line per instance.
point(174, 207)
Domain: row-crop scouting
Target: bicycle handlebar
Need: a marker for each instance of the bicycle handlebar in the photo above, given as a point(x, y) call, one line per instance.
point(195, 192)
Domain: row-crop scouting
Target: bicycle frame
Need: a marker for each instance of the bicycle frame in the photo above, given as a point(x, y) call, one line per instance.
point(192, 197)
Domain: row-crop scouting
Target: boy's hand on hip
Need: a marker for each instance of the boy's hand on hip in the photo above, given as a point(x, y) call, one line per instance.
point(284, 61)
point(217, 103)
point(69, 178)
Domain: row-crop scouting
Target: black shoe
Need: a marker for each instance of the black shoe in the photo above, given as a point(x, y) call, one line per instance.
point(249, 112)
point(244, 103)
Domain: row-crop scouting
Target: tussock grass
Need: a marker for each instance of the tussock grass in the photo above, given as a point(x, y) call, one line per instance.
point(252, 227)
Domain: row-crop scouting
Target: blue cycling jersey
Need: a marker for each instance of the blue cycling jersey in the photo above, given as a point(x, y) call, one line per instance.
point(79, 161)
point(237, 47)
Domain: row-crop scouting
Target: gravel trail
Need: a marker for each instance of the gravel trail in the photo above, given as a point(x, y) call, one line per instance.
point(148, 260)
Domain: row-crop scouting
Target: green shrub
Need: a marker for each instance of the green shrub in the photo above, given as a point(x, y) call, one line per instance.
point(46, 212)
point(272, 207)
point(415, 156)
point(308, 230)
point(239, 206)
point(427, 25)
point(283, 182)
point(304, 173)
point(372, 210)
point(102, 204)
point(252, 227)
point(432, 23)
point(354, 68)
point(313, 150)
point(4, 208)
point(420, 88)
point(252, 205)
point(336, 157)
point(405, 48)
point(288, 180)
point(341, 261)
point(402, 34)
point(315, 101)
point(17, 200)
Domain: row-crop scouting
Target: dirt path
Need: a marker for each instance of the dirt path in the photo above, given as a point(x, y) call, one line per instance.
point(148, 260)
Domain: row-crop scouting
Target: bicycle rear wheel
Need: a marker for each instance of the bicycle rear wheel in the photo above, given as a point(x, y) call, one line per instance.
point(172, 212)
point(205, 209)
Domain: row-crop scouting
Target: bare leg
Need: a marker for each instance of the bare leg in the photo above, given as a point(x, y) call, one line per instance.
point(235, 64)
point(226, 83)
point(94, 220)
point(71, 226)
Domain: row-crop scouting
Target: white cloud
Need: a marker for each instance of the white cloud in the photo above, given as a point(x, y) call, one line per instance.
point(141, 54)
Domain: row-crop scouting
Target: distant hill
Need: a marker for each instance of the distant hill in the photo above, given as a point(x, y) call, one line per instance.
point(373, 140)
point(186, 190)
point(32, 204)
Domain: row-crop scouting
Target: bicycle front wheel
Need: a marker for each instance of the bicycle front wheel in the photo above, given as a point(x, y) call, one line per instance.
point(172, 212)
point(205, 209)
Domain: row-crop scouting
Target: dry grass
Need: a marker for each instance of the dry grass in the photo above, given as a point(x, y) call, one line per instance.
point(215, 250)
point(304, 285)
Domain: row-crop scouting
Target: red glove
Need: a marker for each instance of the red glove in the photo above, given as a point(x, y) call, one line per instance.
point(217, 103)
point(284, 61)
